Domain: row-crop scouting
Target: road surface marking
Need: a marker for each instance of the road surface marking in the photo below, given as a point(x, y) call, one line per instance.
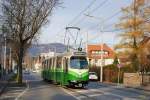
point(70, 93)
point(6, 97)
point(22, 93)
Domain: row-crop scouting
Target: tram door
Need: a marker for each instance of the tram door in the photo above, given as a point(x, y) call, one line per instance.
point(54, 69)
point(58, 69)
point(65, 70)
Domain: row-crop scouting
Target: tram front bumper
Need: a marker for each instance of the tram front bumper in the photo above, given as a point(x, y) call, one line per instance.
point(75, 82)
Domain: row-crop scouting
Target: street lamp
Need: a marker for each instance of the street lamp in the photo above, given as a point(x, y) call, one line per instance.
point(101, 28)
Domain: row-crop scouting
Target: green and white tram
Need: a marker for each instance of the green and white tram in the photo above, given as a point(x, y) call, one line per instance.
point(69, 69)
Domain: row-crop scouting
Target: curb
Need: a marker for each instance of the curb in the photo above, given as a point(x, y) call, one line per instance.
point(138, 88)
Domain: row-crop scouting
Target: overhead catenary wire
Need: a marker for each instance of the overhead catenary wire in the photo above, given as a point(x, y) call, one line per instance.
point(76, 17)
point(92, 11)
point(115, 30)
point(97, 36)
point(85, 9)
point(107, 19)
point(82, 12)
point(99, 6)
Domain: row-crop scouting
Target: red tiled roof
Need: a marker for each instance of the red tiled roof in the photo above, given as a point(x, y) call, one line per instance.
point(98, 48)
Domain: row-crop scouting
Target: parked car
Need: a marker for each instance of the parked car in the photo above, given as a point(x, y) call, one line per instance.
point(93, 76)
point(26, 72)
point(34, 71)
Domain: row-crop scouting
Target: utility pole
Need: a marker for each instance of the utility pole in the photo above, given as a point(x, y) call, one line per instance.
point(10, 62)
point(102, 52)
point(87, 42)
point(5, 53)
point(101, 46)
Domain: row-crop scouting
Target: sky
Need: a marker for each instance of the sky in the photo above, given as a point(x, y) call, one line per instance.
point(99, 28)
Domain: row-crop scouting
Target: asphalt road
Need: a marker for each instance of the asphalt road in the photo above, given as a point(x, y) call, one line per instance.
point(40, 90)
point(99, 91)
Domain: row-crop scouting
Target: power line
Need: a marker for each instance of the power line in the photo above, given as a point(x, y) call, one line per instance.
point(99, 6)
point(76, 17)
point(107, 19)
point(92, 11)
point(97, 36)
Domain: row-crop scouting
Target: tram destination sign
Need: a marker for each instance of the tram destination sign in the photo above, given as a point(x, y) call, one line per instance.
point(80, 53)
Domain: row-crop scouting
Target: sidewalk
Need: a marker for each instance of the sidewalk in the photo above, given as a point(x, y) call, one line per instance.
point(145, 88)
point(4, 82)
point(13, 91)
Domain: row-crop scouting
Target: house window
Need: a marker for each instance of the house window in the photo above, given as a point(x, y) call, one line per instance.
point(93, 52)
point(106, 53)
point(97, 52)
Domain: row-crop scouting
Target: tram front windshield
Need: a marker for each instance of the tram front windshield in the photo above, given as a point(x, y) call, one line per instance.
point(78, 62)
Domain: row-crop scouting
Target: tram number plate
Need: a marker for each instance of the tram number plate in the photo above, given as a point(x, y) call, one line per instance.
point(80, 85)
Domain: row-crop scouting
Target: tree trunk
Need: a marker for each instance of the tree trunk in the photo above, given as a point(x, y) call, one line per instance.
point(20, 56)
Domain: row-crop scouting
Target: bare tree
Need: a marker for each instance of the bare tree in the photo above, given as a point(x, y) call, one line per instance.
point(23, 20)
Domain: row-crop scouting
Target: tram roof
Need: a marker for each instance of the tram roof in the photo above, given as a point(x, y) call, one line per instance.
point(74, 53)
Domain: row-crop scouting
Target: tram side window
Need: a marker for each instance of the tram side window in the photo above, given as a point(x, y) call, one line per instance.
point(46, 64)
point(59, 61)
point(52, 65)
point(42, 65)
point(65, 64)
point(49, 63)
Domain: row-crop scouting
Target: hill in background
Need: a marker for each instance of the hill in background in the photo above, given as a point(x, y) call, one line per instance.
point(35, 50)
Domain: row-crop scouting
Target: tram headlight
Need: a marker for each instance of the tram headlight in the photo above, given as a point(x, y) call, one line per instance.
point(74, 81)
